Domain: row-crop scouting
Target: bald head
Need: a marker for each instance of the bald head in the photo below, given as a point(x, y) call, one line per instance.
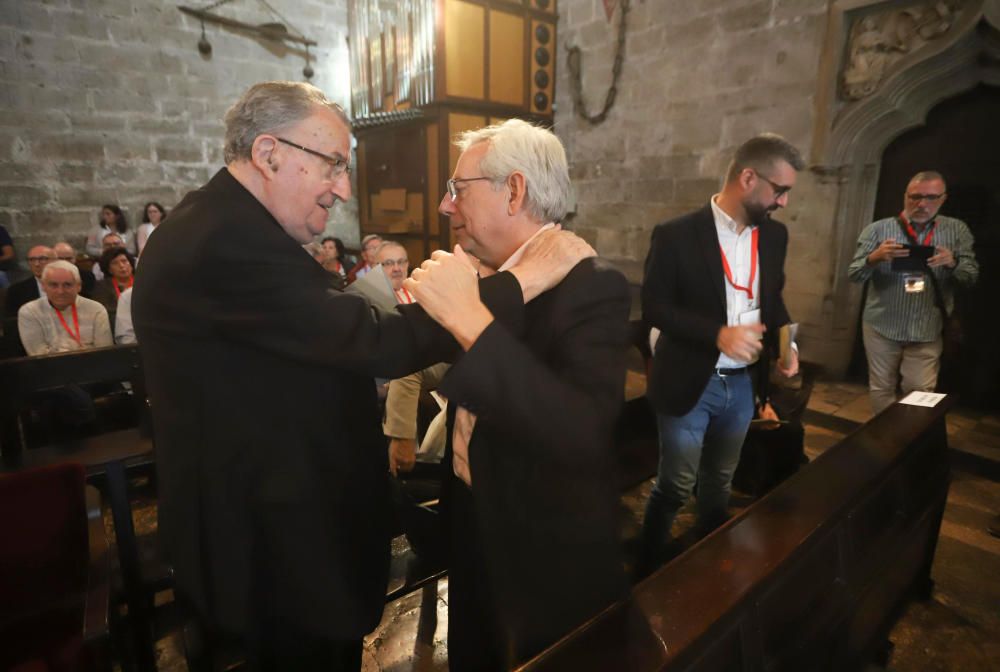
point(65, 252)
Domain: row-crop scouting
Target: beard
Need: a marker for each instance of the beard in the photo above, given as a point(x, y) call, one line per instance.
point(757, 214)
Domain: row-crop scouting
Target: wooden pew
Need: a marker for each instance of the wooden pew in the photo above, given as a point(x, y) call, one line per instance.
point(810, 577)
point(105, 456)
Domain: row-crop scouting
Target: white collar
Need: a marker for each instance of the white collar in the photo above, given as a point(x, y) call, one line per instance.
point(722, 218)
point(516, 257)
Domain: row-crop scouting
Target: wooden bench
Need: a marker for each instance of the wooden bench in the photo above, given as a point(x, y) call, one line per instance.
point(810, 577)
point(105, 456)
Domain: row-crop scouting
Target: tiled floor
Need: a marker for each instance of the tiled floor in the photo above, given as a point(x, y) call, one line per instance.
point(957, 630)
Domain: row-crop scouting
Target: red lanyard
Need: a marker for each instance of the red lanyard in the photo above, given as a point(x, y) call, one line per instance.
point(76, 324)
point(118, 292)
point(913, 233)
point(753, 265)
point(403, 293)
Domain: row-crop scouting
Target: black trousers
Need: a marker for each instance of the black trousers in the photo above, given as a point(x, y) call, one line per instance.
point(476, 639)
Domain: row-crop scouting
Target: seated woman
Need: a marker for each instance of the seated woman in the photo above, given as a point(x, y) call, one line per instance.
point(112, 220)
point(152, 215)
point(118, 268)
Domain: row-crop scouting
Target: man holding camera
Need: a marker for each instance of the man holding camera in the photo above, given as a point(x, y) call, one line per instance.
point(912, 263)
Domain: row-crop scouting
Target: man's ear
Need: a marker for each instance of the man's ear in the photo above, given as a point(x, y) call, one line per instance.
point(747, 178)
point(517, 190)
point(262, 155)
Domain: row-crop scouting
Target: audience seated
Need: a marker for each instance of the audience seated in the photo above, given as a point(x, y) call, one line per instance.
point(369, 244)
point(400, 424)
point(66, 252)
point(62, 320)
point(7, 261)
point(124, 331)
point(336, 261)
point(111, 220)
point(29, 289)
point(118, 268)
point(109, 241)
point(152, 216)
point(395, 264)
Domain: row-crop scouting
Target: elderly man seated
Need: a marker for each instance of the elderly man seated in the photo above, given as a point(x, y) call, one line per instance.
point(396, 265)
point(62, 320)
point(29, 289)
point(66, 252)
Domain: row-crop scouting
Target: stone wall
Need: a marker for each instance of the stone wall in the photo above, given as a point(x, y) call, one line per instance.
point(110, 101)
point(699, 78)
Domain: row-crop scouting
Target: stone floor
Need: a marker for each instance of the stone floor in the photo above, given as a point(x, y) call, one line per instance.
point(957, 630)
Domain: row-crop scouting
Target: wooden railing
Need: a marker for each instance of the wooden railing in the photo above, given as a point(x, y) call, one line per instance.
point(810, 577)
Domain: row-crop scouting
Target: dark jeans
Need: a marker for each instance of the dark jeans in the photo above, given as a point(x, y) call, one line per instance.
point(703, 447)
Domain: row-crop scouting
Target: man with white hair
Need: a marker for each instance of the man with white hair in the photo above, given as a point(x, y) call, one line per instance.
point(531, 499)
point(62, 320)
point(274, 492)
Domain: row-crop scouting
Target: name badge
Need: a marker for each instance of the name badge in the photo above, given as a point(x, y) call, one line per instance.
point(914, 283)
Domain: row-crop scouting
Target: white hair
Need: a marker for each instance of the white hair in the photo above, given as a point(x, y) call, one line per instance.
point(535, 152)
point(61, 265)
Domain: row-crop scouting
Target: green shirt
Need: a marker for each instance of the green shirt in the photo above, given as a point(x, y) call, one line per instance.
point(911, 317)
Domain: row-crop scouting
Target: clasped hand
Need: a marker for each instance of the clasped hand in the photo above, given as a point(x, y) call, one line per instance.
point(447, 287)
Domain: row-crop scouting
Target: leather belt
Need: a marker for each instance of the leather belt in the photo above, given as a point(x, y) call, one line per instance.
point(730, 372)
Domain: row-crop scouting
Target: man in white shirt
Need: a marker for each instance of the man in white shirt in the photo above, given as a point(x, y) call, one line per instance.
point(712, 286)
point(62, 320)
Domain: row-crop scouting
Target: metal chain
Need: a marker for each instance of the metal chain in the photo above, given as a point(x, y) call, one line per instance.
point(574, 60)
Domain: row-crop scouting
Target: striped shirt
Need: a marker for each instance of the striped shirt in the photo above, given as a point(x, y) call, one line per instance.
point(911, 317)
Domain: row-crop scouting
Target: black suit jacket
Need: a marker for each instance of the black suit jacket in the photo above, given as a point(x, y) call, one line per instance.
point(272, 468)
point(541, 455)
point(684, 295)
point(19, 294)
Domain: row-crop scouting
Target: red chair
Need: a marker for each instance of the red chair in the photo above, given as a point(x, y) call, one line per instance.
point(54, 571)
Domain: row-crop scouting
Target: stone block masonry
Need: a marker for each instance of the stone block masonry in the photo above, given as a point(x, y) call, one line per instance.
point(110, 101)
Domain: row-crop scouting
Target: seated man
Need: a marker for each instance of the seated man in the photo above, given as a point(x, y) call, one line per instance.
point(400, 424)
point(62, 320)
point(29, 289)
point(395, 264)
point(66, 252)
point(369, 244)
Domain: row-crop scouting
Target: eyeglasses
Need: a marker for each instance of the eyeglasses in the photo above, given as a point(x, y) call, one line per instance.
point(453, 191)
point(396, 262)
point(38, 260)
point(779, 189)
point(930, 198)
point(338, 164)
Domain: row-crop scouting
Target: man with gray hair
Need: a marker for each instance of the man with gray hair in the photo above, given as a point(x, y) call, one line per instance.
point(274, 500)
point(31, 288)
point(531, 499)
point(62, 320)
point(908, 303)
point(713, 287)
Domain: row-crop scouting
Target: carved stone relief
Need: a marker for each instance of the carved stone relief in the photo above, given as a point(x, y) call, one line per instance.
point(877, 41)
